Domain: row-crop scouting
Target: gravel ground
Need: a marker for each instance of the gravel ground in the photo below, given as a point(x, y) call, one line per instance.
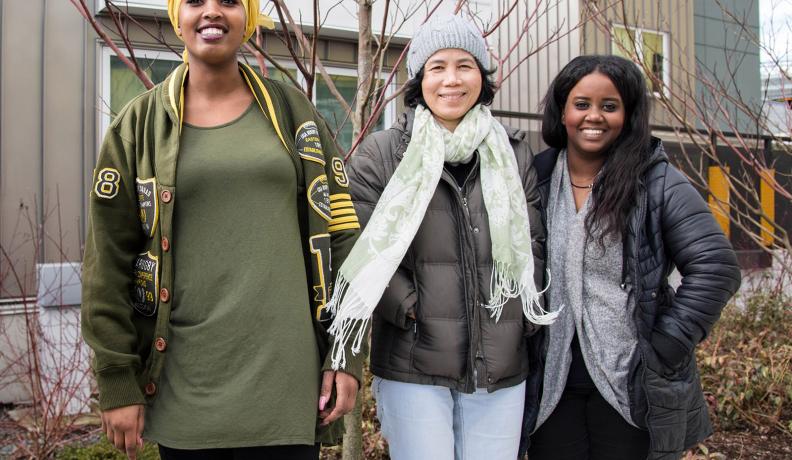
point(745, 445)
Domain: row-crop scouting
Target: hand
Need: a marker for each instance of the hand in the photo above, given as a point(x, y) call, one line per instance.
point(346, 392)
point(124, 428)
point(411, 313)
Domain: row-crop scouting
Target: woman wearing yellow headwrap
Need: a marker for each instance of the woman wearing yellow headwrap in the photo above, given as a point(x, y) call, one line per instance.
point(253, 18)
point(204, 285)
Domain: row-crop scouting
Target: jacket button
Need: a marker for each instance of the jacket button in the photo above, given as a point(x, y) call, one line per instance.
point(160, 344)
point(654, 294)
point(164, 295)
point(165, 244)
point(166, 196)
point(475, 230)
point(150, 389)
point(489, 379)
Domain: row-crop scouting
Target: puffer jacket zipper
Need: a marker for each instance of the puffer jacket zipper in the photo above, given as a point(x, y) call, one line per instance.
point(463, 214)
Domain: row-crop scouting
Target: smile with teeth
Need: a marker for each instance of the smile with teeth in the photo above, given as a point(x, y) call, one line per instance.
point(452, 96)
point(592, 132)
point(212, 33)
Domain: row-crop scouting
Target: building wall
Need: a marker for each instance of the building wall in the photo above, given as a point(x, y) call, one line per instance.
point(552, 41)
point(728, 59)
point(674, 18)
point(728, 86)
point(45, 83)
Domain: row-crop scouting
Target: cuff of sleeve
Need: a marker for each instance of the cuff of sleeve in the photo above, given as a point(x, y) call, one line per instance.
point(354, 362)
point(118, 387)
point(669, 350)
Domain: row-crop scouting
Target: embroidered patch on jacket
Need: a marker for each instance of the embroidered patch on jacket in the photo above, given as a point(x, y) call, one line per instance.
point(148, 204)
point(145, 284)
point(319, 196)
point(320, 249)
point(339, 172)
point(342, 213)
point(107, 183)
point(309, 145)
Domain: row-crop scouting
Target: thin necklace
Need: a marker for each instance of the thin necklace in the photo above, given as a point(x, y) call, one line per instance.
point(589, 186)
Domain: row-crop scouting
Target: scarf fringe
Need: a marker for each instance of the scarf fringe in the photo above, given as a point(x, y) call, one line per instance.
point(504, 287)
point(350, 316)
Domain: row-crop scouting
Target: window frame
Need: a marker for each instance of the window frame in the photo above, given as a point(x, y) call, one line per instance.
point(639, 45)
point(103, 93)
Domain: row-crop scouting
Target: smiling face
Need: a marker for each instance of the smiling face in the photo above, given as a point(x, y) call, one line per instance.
point(593, 116)
point(212, 30)
point(451, 85)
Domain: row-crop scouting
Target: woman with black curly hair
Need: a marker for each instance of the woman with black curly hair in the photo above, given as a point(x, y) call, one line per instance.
point(616, 375)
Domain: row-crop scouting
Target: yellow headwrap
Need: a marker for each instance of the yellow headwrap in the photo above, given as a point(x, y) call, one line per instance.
point(253, 18)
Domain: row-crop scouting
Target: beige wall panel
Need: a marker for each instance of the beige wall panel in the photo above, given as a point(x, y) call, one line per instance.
point(549, 51)
point(63, 129)
point(20, 139)
point(89, 145)
point(156, 29)
point(342, 52)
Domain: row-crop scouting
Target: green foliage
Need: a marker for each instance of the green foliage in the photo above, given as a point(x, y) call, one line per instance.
point(104, 451)
point(745, 365)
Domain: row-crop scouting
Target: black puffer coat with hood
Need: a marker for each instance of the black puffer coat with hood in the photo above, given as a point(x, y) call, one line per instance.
point(445, 277)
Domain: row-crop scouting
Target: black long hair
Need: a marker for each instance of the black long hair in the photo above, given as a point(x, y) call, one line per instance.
point(615, 191)
point(413, 94)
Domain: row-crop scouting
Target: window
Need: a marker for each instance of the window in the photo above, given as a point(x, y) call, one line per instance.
point(651, 48)
point(125, 85)
point(332, 111)
point(118, 85)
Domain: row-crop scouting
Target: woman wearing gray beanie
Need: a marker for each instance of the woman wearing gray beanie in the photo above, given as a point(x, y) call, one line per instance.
point(451, 261)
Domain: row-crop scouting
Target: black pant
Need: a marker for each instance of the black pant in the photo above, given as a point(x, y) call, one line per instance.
point(584, 426)
point(294, 452)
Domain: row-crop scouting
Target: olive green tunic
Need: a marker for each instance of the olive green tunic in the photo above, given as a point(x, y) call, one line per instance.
point(243, 366)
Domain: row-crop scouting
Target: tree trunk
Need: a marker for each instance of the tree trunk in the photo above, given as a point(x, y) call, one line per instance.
point(365, 65)
point(353, 438)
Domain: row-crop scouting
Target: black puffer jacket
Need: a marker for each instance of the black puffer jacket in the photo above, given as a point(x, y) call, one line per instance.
point(670, 227)
point(445, 277)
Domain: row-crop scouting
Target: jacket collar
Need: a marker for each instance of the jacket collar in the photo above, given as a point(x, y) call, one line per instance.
point(173, 96)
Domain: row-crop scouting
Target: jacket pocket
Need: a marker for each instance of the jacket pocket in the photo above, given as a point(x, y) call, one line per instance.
point(635, 391)
point(668, 402)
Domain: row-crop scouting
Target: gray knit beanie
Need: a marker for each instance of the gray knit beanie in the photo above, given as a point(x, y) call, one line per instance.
point(441, 33)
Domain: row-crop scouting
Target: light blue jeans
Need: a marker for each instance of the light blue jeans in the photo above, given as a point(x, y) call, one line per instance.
point(423, 422)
